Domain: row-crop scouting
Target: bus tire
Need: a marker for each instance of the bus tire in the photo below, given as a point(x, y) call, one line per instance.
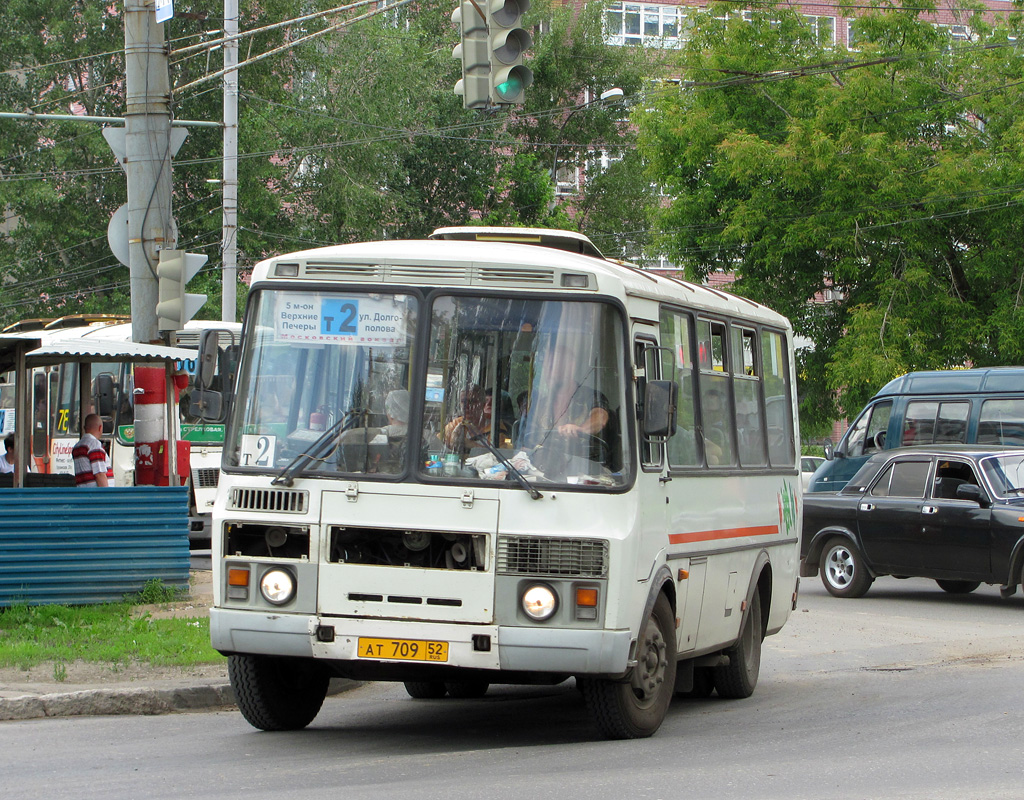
point(277, 694)
point(737, 679)
point(426, 690)
point(466, 690)
point(635, 709)
point(843, 570)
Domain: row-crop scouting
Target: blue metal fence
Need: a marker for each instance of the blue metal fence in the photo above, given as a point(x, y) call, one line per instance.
point(72, 546)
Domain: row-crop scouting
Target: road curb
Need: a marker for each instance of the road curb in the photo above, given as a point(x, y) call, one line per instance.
point(138, 701)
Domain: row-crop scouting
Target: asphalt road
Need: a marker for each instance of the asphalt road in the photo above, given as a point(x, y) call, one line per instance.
point(905, 693)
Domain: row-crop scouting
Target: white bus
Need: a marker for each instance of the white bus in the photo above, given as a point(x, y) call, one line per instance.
point(57, 414)
point(496, 457)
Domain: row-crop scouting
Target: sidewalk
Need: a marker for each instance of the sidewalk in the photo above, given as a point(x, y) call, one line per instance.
point(141, 691)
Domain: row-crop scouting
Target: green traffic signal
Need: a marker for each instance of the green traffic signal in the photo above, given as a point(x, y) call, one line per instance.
point(508, 41)
point(512, 83)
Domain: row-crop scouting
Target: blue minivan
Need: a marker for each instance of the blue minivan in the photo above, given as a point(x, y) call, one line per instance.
point(972, 406)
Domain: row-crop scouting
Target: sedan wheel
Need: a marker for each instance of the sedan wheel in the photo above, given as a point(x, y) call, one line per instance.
point(843, 570)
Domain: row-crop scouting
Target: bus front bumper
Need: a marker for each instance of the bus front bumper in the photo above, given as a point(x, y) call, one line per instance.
point(488, 647)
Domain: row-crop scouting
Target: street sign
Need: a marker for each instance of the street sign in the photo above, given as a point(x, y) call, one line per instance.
point(164, 10)
point(117, 234)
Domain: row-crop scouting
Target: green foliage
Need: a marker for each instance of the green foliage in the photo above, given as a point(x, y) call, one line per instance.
point(112, 633)
point(156, 591)
point(874, 202)
point(357, 135)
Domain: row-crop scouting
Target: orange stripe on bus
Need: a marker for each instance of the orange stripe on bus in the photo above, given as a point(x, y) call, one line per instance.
point(727, 533)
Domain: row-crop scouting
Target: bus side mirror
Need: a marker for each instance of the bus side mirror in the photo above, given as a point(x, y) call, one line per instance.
point(207, 405)
point(209, 358)
point(660, 409)
point(103, 398)
point(207, 402)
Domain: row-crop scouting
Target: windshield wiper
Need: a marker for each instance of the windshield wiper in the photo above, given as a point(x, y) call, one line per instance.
point(286, 476)
point(481, 439)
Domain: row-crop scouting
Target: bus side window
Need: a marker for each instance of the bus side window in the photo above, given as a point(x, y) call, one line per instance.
point(684, 448)
point(778, 395)
point(746, 385)
point(646, 355)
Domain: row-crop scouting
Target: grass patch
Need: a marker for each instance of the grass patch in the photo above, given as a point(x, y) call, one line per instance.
point(156, 591)
point(31, 635)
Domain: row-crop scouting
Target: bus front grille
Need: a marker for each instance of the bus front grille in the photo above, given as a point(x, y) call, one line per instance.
point(288, 501)
point(534, 555)
point(205, 477)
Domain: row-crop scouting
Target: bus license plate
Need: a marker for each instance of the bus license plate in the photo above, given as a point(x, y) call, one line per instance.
point(403, 649)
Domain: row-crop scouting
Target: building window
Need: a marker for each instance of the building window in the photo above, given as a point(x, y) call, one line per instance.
point(958, 33)
point(823, 29)
point(647, 24)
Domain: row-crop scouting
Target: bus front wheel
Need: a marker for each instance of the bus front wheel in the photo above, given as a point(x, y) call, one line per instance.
point(466, 690)
point(277, 694)
point(425, 690)
point(636, 708)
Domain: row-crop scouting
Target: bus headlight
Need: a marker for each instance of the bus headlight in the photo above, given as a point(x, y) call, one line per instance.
point(539, 602)
point(277, 586)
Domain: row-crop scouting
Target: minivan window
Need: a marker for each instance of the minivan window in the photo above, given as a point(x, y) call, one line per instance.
point(868, 432)
point(931, 421)
point(1001, 422)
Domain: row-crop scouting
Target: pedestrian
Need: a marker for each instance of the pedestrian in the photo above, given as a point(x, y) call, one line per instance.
point(92, 465)
point(7, 460)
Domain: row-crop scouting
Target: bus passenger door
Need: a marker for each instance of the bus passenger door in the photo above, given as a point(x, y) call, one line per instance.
point(652, 479)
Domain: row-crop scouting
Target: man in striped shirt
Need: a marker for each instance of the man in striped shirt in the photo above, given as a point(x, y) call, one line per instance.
point(92, 466)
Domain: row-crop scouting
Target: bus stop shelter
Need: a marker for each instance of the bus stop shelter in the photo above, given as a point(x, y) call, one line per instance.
point(65, 545)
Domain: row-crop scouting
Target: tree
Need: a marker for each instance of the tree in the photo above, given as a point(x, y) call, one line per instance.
point(357, 135)
point(59, 182)
point(870, 196)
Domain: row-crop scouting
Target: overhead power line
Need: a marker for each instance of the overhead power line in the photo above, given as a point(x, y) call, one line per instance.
point(295, 43)
point(277, 25)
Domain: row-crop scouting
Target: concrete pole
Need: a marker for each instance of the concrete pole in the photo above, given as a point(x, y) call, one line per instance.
point(229, 243)
point(148, 155)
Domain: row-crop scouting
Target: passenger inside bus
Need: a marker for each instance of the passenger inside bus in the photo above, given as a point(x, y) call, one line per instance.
point(573, 422)
point(379, 449)
point(396, 408)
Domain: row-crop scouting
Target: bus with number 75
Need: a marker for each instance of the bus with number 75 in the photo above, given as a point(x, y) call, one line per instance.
point(497, 457)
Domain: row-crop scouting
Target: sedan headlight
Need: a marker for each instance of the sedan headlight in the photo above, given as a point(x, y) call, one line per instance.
point(277, 586)
point(539, 602)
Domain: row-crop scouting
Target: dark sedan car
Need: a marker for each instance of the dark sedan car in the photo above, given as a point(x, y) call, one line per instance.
point(951, 513)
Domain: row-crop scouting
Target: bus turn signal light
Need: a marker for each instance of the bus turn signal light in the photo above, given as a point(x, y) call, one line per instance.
point(586, 597)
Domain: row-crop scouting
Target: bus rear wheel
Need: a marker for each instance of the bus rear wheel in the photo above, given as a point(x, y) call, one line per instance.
point(277, 694)
point(737, 679)
point(636, 708)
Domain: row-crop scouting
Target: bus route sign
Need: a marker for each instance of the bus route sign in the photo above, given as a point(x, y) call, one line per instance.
point(338, 319)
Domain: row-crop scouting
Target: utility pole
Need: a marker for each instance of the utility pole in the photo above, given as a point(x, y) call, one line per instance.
point(229, 234)
point(147, 163)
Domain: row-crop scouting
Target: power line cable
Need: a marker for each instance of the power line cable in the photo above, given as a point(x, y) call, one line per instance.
point(275, 26)
point(297, 42)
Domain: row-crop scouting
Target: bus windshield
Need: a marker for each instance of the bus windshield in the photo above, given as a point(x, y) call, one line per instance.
point(328, 385)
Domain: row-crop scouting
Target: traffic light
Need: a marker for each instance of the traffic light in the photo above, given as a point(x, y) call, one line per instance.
point(507, 42)
point(472, 52)
point(175, 307)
